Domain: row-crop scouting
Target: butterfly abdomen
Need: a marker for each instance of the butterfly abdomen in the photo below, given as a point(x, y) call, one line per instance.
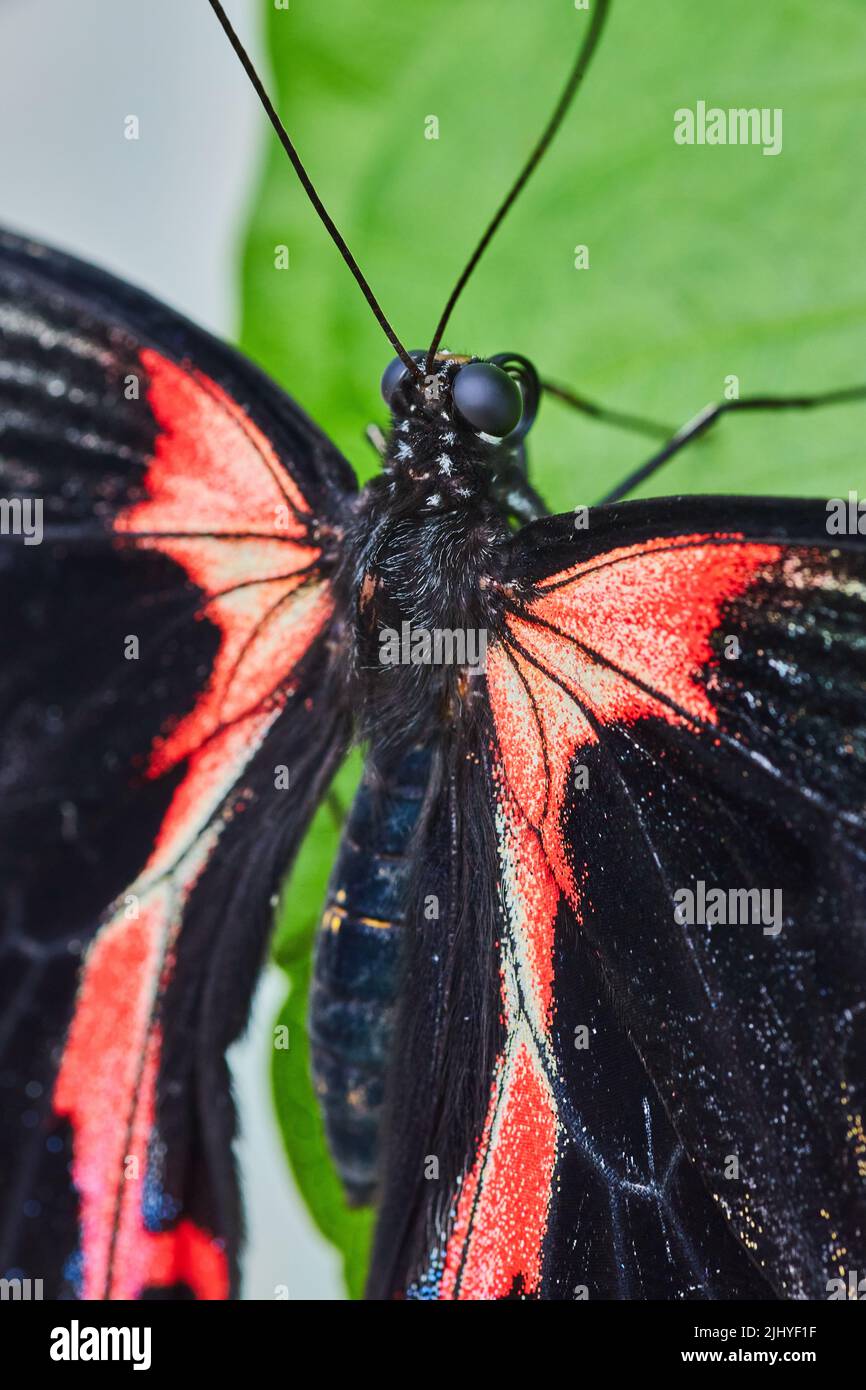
point(355, 972)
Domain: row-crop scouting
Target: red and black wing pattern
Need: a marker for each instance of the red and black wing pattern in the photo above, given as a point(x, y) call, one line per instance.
point(678, 698)
point(168, 690)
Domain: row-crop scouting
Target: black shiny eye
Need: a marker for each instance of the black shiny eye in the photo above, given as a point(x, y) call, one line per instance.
point(487, 398)
point(394, 374)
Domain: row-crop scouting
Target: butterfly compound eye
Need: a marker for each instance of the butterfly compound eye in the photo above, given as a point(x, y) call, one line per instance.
point(487, 398)
point(391, 378)
point(395, 374)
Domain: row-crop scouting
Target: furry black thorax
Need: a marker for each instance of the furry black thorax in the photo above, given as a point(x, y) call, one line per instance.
point(423, 549)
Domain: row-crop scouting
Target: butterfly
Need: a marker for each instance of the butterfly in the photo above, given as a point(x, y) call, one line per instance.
point(587, 1014)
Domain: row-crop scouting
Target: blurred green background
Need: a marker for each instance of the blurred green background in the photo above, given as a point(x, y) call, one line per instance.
point(704, 262)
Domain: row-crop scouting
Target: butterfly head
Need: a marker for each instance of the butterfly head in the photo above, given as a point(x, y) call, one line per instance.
point(467, 414)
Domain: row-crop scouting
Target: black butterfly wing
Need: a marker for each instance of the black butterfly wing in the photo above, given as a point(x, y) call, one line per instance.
point(527, 1152)
point(678, 698)
point(170, 715)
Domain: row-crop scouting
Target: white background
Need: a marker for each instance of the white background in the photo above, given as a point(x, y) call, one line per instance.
point(166, 212)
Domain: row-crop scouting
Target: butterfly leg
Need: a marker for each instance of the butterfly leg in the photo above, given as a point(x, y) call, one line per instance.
point(514, 490)
point(336, 808)
point(624, 420)
point(374, 436)
point(707, 417)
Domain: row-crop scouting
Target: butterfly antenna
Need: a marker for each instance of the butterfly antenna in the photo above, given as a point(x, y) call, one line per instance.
point(584, 57)
point(309, 189)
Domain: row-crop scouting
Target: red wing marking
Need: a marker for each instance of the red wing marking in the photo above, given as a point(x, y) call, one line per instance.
point(503, 1206)
point(111, 1055)
point(213, 467)
point(642, 614)
point(211, 462)
point(504, 1202)
point(213, 478)
point(629, 628)
point(531, 896)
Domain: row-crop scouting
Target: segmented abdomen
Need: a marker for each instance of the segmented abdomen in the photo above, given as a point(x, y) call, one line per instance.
point(356, 962)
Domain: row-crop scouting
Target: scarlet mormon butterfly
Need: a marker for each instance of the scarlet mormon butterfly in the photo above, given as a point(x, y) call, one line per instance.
point(524, 971)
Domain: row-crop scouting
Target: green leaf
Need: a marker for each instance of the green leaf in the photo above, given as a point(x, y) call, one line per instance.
point(705, 262)
point(297, 1110)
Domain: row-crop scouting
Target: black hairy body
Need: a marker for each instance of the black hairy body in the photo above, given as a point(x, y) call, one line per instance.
point(424, 547)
